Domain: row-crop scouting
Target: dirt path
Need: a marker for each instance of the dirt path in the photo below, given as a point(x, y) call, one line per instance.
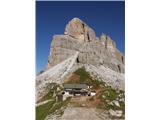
point(80, 113)
point(44, 102)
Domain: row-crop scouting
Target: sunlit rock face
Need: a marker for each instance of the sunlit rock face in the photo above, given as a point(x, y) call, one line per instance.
point(80, 46)
point(77, 29)
point(78, 36)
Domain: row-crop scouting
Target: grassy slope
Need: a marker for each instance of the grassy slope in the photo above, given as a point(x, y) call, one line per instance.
point(49, 108)
point(86, 78)
point(43, 110)
point(108, 94)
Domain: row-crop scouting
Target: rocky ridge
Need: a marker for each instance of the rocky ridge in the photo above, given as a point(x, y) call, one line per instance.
point(79, 47)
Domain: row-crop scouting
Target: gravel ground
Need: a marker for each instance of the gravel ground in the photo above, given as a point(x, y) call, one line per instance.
point(80, 113)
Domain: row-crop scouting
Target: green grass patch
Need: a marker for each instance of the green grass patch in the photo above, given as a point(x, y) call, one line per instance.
point(114, 107)
point(43, 110)
point(122, 106)
point(48, 96)
point(112, 94)
point(52, 89)
point(87, 79)
point(97, 83)
point(109, 94)
point(50, 108)
point(60, 104)
point(84, 75)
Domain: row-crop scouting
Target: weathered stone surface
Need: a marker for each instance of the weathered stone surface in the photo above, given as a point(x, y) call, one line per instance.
point(107, 41)
point(77, 29)
point(64, 46)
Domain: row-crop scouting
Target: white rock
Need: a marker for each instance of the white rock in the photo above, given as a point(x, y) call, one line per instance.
point(113, 113)
point(117, 113)
point(116, 103)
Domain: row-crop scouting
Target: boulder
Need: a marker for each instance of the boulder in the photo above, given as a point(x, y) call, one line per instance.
point(116, 103)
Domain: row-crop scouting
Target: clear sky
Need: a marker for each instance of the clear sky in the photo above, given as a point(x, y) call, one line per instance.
point(51, 18)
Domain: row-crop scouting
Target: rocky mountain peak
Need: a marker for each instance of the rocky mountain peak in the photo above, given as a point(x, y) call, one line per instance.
point(78, 36)
point(79, 47)
point(77, 29)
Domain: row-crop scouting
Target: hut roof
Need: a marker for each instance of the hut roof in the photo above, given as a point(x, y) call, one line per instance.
point(72, 86)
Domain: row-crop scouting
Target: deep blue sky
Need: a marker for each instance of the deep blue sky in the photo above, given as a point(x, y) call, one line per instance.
point(51, 18)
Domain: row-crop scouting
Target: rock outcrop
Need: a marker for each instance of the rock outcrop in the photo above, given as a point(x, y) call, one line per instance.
point(80, 37)
point(99, 55)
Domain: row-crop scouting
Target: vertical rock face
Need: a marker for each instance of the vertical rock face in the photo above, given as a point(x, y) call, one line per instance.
point(78, 36)
point(107, 41)
point(79, 30)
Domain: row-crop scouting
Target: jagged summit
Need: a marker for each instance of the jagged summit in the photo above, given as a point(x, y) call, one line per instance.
point(78, 36)
point(76, 28)
point(76, 19)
